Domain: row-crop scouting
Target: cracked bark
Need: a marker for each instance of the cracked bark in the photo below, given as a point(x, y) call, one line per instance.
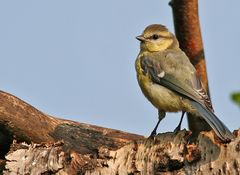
point(21, 122)
point(40, 144)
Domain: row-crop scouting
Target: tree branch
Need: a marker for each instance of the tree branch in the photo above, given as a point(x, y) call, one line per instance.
point(167, 153)
point(24, 123)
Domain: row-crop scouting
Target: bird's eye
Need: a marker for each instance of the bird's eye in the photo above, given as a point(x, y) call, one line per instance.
point(155, 37)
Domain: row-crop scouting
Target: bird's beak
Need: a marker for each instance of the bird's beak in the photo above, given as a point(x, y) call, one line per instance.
point(140, 38)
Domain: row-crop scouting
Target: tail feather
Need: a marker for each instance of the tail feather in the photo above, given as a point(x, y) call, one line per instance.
point(220, 129)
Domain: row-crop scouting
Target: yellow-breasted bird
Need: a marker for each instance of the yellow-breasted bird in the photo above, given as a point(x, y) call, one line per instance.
point(169, 80)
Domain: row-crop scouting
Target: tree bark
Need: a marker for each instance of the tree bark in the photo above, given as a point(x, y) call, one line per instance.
point(187, 29)
point(166, 154)
point(21, 122)
point(35, 143)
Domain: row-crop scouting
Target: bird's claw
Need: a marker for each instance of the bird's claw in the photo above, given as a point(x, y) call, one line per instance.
point(177, 129)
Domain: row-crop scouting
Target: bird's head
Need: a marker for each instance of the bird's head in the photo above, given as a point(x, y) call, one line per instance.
point(156, 38)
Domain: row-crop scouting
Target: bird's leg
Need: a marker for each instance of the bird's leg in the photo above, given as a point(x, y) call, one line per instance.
point(178, 128)
point(161, 115)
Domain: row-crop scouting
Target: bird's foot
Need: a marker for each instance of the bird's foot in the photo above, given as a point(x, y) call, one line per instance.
point(153, 134)
point(177, 129)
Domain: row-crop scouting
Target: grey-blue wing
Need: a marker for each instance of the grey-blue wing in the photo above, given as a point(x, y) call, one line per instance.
point(180, 76)
point(217, 125)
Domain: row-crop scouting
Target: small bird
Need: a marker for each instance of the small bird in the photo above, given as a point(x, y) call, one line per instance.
point(169, 80)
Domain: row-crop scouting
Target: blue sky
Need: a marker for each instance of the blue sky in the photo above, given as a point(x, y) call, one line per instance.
point(75, 59)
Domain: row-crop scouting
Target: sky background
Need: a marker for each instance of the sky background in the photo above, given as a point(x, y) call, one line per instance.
point(75, 59)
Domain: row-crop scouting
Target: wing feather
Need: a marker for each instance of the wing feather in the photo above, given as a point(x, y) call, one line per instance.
point(180, 76)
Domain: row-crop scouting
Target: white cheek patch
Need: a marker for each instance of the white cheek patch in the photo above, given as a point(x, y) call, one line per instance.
point(161, 75)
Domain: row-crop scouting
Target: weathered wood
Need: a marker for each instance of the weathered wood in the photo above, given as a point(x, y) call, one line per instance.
point(34, 159)
point(24, 123)
point(168, 154)
point(67, 147)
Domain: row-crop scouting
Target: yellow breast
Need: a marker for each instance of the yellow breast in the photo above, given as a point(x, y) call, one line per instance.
point(161, 97)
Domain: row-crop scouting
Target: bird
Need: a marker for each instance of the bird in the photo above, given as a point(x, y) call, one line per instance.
point(170, 82)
